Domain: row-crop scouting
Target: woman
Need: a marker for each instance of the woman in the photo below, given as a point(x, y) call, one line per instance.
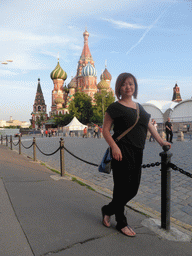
point(127, 154)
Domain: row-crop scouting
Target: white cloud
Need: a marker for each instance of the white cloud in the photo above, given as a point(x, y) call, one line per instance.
point(123, 24)
point(4, 73)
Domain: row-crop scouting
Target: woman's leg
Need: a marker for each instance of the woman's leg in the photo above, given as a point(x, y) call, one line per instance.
point(126, 176)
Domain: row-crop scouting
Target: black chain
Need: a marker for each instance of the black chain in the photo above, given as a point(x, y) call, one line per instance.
point(48, 154)
point(15, 144)
point(150, 165)
point(176, 168)
point(27, 147)
point(80, 158)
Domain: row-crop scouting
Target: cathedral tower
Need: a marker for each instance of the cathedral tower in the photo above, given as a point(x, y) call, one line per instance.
point(39, 107)
point(58, 75)
point(176, 94)
point(86, 76)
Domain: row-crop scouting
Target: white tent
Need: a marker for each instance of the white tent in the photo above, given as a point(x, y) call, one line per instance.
point(75, 125)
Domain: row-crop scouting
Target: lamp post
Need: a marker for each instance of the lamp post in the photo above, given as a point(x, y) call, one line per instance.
point(103, 105)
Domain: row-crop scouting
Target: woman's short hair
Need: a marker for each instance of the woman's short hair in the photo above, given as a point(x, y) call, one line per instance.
point(120, 81)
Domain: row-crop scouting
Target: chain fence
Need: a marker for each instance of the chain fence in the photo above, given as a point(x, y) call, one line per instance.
point(170, 165)
point(165, 172)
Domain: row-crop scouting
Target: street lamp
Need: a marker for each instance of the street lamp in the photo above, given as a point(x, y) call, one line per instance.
point(103, 105)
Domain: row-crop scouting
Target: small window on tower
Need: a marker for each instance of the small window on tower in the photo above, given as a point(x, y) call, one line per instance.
point(39, 108)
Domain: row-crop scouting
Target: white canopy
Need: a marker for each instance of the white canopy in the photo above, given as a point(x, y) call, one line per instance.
point(75, 125)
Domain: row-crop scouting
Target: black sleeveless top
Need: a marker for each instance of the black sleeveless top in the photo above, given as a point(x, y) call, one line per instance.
point(124, 117)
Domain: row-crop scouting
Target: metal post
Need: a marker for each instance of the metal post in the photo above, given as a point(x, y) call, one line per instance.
point(165, 188)
point(19, 145)
point(11, 142)
point(6, 140)
point(1, 139)
point(34, 150)
point(62, 160)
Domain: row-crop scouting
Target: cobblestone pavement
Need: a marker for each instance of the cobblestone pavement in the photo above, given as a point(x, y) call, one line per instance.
point(149, 194)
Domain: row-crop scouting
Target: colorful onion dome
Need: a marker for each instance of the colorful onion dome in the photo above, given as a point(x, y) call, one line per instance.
point(58, 73)
point(102, 85)
point(106, 75)
point(59, 100)
point(72, 84)
point(89, 70)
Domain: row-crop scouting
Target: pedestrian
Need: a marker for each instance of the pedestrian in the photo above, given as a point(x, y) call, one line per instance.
point(42, 132)
point(128, 152)
point(85, 132)
point(188, 127)
point(151, 137)
point(169, 130)
point(46, 133)
point(100, 131)
point(155, 126)
point(96, 131)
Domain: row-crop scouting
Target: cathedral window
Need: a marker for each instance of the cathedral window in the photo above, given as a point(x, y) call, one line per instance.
point(39, 108)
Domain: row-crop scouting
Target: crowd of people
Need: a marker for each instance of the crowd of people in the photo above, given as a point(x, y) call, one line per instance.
point(96, 132)
point(48, 132)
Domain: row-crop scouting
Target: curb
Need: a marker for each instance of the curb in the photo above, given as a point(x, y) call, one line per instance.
point(186, 228)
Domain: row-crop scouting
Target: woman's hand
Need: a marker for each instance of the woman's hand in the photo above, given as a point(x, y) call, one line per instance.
point(116, 153)
point(165, 143)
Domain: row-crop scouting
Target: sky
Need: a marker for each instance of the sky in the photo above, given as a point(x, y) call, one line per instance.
point(152, 39)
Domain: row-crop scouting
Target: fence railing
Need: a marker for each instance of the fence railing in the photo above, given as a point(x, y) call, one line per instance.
point(165, 171)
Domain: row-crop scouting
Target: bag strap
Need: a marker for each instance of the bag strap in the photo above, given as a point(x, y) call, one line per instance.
point(130, 128)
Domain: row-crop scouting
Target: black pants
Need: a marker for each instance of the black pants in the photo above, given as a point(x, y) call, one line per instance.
point(126, 177)
point(169, 136)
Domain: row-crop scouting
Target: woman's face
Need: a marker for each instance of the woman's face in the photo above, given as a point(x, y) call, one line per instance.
point(128, 88)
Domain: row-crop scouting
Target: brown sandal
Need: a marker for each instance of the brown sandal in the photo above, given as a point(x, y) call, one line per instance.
point(132, 232)
point(105, 223)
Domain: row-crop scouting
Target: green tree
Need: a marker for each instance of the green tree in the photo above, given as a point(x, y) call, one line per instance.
point(102, 99)
point(81, 107)
point(40, 120)
point(62, 120)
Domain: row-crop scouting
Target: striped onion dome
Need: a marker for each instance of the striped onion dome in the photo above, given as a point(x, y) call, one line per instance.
point(102, 85)
point(106, 75)
point(89, 70)
point(59, 100)
point(58, 73)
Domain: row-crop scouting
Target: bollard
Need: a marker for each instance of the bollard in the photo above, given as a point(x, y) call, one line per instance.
point(165, 188)
point(34, 150)
point(1, 139)
point(6, 140)
point(11, 142)
point(19, 145)
point(180, 136)
point(62, 160)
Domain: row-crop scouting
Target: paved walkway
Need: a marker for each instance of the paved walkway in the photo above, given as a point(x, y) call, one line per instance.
point(42, 216)
point(149, 196)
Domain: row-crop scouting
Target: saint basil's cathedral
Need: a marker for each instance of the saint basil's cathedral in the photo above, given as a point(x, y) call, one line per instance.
point(84, 81)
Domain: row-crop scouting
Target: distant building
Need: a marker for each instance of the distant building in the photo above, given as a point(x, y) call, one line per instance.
point(176, 94)
point(84, 81)
point(39, 107)
point(2, 123)
point(11, 122)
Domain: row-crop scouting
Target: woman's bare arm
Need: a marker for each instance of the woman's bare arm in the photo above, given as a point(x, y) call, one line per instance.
point(116, 152)
point(157, 137)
